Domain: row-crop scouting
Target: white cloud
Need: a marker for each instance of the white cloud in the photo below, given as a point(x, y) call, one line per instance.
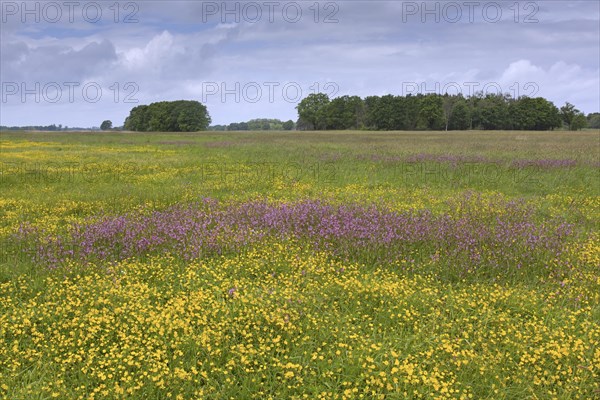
point(158, 48)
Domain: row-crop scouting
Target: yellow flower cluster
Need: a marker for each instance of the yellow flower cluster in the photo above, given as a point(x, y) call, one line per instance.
point(282, 321)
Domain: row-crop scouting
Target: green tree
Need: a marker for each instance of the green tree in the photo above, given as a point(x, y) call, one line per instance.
point(345, 112)
point(431, 113)
point(579, 122)
point(288, 125)
point(460, 118)
point(391, 112)
point(106, 125)
point(312, 110)
point(536, 114)
point(572, 117)
point(238, 126)
point(593, 120)
point(372, 120)
point(449, 104)
point(302, 125)
point(493, 113)
point(138, 119)
point(265, 124)
point(169, 116)
point(189, 116)
point(568, 113)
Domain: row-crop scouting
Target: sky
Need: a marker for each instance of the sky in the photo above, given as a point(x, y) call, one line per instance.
point(78, 63)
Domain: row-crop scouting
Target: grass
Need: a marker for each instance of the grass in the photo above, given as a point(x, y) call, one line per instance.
point(505, 306)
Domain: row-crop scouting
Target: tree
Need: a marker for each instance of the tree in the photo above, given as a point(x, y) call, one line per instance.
point(534, 114)
point(265, 124)
point(431, 113)
point(570, 114)
point(238, 126)
point(593, 120)
point(460, 118)
point(391, 112)
point(344, 112)
point(312, 110)
point(302, 125)
point(493, 113)
point(137, 119)
point(106, 125)
point(449, 104)
point(169, 116)
point(579, 122)
point(288, 125)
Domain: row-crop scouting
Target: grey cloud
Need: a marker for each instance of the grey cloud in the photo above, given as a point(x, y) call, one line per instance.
point(51, 63)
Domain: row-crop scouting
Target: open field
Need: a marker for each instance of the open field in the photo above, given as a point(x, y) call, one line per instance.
point(300, 265)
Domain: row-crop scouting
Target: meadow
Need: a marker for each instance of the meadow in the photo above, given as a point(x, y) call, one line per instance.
point(276, 265)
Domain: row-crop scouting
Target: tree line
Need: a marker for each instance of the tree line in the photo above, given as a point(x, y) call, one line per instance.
point(258, 124)
point(389, 112)
point(437, 112)
point(50, 128)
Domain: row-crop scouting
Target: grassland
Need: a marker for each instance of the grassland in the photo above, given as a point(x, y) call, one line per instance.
point(300, 265)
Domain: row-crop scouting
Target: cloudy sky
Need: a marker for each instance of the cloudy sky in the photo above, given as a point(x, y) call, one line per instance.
point(78, 63)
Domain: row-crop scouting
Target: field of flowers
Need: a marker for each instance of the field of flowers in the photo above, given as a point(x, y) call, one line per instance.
point(332, 265)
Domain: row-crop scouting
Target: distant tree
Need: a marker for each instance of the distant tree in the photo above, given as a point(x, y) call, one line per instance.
point(189, 116)
point(238, 126)
point(449, 104)
point(391, 112)
point(106, 125)
point(345, 112)
point(431, 113)
point(568, 112)
point(265, 124)
point(593, 120)
point(312, 110)
point(288, 125)
point(410, 106)
point(493, 113)
point(372, 112)
point(137, 119)
point(460, 117)
point(302, 125)
point(169, 116)
point(536, 114)
point(579, 122)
